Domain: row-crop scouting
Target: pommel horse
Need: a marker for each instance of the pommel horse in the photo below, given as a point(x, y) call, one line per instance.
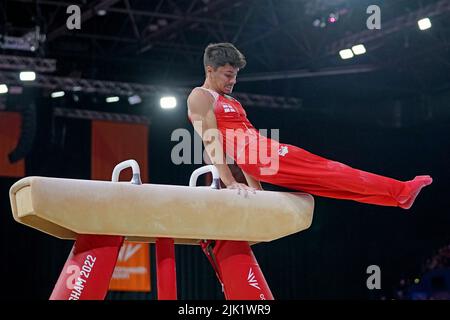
point(100, 215)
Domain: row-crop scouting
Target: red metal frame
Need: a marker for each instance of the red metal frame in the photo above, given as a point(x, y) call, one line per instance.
point(88, 269)
point(237, 270)
point(166, 269)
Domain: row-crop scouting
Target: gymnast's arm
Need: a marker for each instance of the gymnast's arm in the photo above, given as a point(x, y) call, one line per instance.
point(200, 109)
point(252, 182)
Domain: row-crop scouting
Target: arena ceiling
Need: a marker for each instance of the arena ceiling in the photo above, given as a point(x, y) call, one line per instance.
point(162, 41)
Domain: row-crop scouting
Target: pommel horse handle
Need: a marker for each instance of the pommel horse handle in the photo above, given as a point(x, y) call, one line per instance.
point(126, 164)
point(202, 170)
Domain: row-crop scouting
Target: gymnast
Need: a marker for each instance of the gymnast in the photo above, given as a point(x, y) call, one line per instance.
point(212, 109)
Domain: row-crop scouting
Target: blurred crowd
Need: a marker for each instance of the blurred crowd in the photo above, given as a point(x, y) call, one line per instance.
point(440, 260)
point(434, 282)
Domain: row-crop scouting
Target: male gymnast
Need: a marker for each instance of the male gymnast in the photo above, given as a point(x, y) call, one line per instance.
point(212, 109)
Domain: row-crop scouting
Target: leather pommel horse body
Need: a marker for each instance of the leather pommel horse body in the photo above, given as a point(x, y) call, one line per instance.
point(100, 215)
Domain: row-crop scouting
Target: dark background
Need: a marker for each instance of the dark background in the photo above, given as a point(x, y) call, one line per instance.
point(393, 121)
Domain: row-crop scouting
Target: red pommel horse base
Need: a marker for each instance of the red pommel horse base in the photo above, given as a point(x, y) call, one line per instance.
point(100, 215)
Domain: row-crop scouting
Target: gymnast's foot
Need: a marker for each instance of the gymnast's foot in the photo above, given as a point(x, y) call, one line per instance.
point(416, 185)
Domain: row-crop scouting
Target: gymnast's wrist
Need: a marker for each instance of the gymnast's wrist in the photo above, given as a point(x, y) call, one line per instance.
point(228, 182)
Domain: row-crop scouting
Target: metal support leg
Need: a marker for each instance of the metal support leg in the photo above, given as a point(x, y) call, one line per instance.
point(238, 271)
point(88, 270)
point(166, 269)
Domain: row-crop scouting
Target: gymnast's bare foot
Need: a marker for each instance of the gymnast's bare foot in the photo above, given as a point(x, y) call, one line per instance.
point(416, 185)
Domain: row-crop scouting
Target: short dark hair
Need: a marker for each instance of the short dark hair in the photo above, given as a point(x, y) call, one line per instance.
point(219, 54)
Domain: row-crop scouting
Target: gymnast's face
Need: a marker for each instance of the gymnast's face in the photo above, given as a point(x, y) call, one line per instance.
point(222, 78)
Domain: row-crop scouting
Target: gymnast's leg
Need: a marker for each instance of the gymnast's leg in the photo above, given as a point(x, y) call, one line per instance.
point(301, 170)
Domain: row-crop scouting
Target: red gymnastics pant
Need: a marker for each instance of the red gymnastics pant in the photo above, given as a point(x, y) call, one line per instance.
point(303, 171)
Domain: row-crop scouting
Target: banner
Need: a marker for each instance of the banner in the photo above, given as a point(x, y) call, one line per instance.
point(114, 142)
point(132, 272)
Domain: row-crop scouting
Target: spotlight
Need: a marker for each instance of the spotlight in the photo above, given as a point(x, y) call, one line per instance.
point(359, 49)
point(3, 88)
point(168, 102)
point(112, 99)
point(27, 76)
point(424, 24)
point(57, 94)
point(316, 23)
point(346, 54)
point(134, 99)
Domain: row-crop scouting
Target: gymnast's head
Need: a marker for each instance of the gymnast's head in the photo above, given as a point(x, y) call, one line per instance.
point(222, 62)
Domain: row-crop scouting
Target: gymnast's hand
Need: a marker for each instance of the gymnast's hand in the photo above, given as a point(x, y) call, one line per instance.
point(241, 186)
